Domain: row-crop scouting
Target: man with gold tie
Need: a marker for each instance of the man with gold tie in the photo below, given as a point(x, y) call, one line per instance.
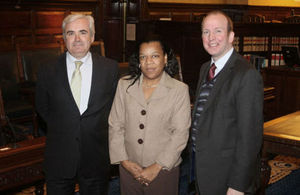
point(74, 96)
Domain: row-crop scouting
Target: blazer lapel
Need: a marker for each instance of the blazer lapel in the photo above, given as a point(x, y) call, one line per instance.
point(222, 77)
point(162, 90)
point(136, 91)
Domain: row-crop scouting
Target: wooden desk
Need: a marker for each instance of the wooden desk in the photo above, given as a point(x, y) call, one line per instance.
point(281, 136)
point(23, 165)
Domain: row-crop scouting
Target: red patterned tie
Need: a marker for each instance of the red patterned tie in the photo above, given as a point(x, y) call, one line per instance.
point(211, 72)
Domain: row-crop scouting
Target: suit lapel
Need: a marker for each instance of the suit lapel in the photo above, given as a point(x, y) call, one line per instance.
point(222, 77)
point(63, 76)
point(97, 86)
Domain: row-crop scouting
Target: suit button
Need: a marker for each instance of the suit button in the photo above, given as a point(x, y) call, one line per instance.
point(143, 112)
point(140, 141)
point(142, 126)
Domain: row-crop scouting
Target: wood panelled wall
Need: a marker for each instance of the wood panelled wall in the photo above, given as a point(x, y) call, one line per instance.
point(31, 23)
point(113, 25)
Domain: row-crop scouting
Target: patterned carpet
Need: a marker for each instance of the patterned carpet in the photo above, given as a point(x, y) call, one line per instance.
point(285, 176)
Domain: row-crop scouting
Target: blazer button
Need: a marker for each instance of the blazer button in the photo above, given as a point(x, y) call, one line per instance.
point(140, 141)
point(142, 126)
point(143, 112)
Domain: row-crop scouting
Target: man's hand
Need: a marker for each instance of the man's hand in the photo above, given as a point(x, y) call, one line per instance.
point(133, 168)
point(231, 191)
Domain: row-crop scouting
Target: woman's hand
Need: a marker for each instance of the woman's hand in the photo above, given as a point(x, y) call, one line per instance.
point(133, 168)
point(150, 173)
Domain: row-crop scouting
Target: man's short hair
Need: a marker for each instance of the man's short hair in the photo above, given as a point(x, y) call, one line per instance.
point(72, 17)
point(229, 21)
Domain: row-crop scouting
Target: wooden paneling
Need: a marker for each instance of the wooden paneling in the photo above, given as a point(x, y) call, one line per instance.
point(113, 36)
point(113, 9)
point(114, 26)
point(292, 92)
point(15, 20)
point(38, 22)
point(133, 7)
point(275, 80)
point(46, 20)
point(287, 86)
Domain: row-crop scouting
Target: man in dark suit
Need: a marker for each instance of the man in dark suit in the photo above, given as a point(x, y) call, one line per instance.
point(74, 96)
point(227, 118)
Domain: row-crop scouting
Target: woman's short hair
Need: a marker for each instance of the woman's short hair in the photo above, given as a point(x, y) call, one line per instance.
point(134, 70)
point(72, 17)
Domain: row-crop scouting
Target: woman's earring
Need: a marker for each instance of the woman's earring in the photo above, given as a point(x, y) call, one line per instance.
point(166, 64)
point(139, 65)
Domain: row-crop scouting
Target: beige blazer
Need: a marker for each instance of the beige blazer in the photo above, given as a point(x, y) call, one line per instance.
point(152, 131)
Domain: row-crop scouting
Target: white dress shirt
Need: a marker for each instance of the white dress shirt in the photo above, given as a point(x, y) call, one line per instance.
point(86, 70)
point(220, 63)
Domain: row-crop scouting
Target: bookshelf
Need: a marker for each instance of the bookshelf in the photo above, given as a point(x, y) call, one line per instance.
point(268, 47)
point(266, 40)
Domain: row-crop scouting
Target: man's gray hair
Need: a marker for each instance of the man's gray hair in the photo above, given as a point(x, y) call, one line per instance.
point(72, 17)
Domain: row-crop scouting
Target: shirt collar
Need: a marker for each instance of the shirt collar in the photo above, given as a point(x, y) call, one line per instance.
point(220, 63)
point(72, 59)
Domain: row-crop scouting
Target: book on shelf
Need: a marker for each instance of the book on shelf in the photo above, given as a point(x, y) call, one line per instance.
point(277, 59)
point(254, 43)
point(279, 42)
point(259, 62)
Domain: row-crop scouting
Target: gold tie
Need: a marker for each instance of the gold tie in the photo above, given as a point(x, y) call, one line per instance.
point(76, 83)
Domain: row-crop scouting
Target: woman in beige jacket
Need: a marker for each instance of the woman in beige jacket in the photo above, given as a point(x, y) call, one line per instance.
point(149, 123)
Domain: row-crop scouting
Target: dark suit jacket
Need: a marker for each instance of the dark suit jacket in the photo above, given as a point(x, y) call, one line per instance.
point(73, 140)
point(229, 135)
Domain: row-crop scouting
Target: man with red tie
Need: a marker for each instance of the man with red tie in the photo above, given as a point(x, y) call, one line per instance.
point(227, 123)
